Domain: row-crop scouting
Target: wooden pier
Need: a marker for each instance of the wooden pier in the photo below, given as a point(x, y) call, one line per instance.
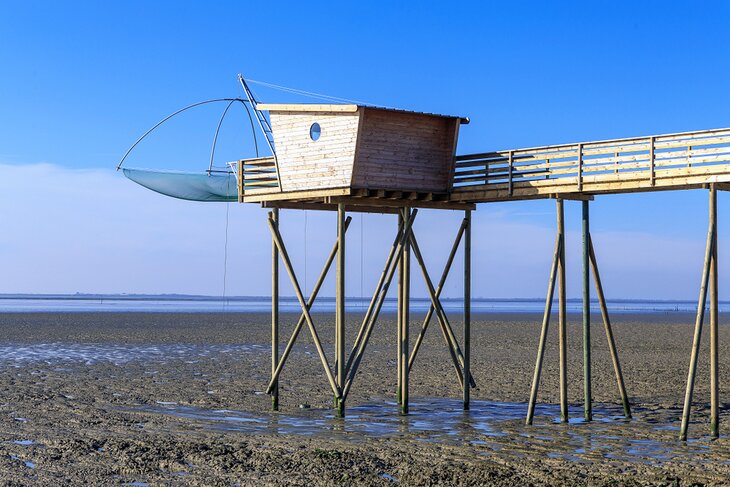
point(352, 158)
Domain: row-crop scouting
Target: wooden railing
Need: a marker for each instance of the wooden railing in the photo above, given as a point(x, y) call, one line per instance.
point(610, 165)
point(257, 175)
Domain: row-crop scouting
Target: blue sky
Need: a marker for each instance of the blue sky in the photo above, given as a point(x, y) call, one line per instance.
point(81, 80)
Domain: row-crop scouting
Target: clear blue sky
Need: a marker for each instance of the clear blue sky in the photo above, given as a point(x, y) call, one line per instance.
point(81, 80)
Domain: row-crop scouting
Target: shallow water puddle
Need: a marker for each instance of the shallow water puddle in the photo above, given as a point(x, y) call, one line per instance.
point(488, 427)
point(90, 353)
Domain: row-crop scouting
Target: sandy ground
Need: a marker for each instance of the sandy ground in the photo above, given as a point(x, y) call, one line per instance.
point(94, 411)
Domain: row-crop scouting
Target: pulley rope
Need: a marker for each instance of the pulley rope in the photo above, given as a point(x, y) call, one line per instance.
point(309, 94)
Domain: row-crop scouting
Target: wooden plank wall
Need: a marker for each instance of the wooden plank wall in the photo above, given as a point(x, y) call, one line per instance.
point(404, 151)
point(308, 164)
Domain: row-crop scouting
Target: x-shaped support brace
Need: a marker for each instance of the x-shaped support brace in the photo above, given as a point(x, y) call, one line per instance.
point(448, 333)
point(306, 306)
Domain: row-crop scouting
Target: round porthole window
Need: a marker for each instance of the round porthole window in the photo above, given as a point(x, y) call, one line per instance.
point(315, 131)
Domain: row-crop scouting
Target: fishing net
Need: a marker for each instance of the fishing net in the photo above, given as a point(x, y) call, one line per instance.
point(187, 186)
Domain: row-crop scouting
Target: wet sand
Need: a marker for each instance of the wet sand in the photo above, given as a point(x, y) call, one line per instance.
point(176, 399)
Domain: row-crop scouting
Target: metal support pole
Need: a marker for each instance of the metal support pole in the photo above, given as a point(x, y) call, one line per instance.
point(405, 318)
point(562, 316)
point(709, 250)
point(274, 388)
point(587, 399)
point(466, 385)
point(340, 298)
point(714, 315)
point(609, 331)
point(543, 332)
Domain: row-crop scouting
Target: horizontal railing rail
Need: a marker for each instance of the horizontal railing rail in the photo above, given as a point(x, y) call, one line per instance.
point(257, 174)
point(571, 166)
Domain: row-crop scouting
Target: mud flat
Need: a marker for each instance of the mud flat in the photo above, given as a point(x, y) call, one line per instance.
point(176, 399)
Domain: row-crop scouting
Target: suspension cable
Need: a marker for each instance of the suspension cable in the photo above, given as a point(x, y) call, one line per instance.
point(119, 166)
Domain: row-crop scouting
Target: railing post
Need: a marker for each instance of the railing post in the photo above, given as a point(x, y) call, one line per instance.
point(651, 159)
point(511, 160)
point(580, 167)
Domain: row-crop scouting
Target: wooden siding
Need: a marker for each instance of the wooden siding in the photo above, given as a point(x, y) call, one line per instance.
point(404, 151)
point(307, 164)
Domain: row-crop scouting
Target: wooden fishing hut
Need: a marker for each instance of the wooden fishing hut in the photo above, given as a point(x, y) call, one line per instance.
point(355, 158)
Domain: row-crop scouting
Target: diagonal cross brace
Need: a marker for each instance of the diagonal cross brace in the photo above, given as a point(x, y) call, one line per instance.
point(381, 293)
point(448, 332)
point(446, 329)
point(302, 318)
point(305, 310)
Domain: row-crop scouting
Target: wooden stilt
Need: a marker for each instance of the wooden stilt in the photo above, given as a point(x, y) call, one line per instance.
point(587, 399)
point(405, 318)
point(543, 332)
point(709, 250)
point(609, 331)
point(302, 319)
point(274, 386)
point(562, 316)
point(300, 297)
point(399, 331)
point(466, 386)
point(714, 315)
point(340, 298)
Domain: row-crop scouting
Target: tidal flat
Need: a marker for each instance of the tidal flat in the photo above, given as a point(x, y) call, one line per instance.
point(178, 399)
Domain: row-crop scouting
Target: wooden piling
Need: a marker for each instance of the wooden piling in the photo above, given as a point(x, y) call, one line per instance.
point(587, 399)
point(405, 319)
point(562, 315)
point(340, 303)
point(709, 250)
point(466, 385)
point(274, 387)
point(714, 315)
point(609, 331)
point(399, 320)
point(543, 332)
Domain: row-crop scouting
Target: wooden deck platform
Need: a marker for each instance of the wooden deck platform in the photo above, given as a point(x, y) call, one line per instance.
point(570, 171)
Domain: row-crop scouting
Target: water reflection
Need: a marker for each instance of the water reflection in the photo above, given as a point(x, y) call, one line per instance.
point(488, 427)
